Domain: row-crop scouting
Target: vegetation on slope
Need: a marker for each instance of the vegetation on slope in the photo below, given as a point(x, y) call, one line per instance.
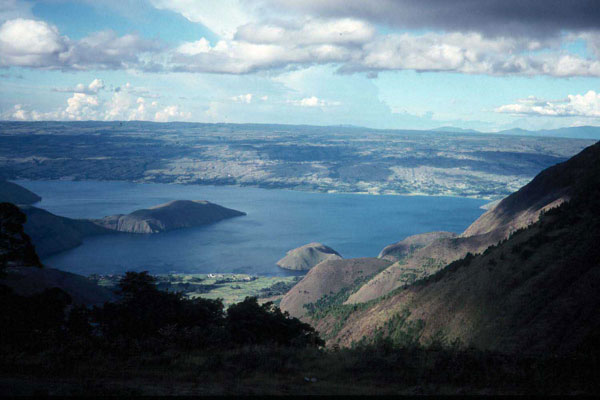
point(328, 278)
point(52, 233)
point(12, 193)
point(15, 246)
point(534, 292)
point(156, 342)
point(522, 208)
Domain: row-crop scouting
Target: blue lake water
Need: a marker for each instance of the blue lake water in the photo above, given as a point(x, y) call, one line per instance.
point(277, 221)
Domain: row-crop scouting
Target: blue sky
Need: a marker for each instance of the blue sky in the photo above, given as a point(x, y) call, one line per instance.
point(394, 64)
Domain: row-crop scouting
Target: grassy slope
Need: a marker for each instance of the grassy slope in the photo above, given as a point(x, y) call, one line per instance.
point(328, 278)
point(549, 189)
point(231, 288)
point(536, 291)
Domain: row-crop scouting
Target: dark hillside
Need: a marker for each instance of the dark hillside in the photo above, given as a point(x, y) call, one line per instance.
point(549, 189)
point(15, 246)
point(535, 292)
point(12, 193)
point(52, 233)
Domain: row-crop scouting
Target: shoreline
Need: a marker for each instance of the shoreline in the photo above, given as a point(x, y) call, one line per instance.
point(490, 198)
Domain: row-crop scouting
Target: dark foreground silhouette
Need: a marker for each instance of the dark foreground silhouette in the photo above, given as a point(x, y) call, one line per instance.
point(154, 342)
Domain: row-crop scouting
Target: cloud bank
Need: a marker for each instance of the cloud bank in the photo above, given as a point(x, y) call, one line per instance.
point(532, 18)
point(577, 105)
point(37, 44)
point(503, 38)
point(123, 104)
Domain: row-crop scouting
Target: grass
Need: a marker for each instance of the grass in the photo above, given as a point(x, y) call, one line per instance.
point(366, 369)
point(232, 288)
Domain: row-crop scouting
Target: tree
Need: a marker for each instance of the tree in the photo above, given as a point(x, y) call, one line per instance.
point(250, 323)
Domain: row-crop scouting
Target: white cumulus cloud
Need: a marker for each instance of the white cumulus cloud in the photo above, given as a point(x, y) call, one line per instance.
point(263, 40)
point(30, 43)
point(94, 87)
point(313, 101)
point(171, 113)
point(354, 46)
point(311, 31)
point(81, 106)
point(124, 104)
point(577, 105)
point(37, 44)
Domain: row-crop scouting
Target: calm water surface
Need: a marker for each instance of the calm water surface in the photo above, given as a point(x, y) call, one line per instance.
point(277, 220)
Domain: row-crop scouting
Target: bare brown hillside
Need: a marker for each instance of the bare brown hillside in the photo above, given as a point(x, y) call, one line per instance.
point(400, 250)
point(534, 292)
point(326, 278)
point(550, 188)
point(420, 264)
point(305, 257)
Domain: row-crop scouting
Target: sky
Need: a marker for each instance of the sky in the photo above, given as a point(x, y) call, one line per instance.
point(401, 64)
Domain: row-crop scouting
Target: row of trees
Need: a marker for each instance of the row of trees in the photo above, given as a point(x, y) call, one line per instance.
point(146, 317)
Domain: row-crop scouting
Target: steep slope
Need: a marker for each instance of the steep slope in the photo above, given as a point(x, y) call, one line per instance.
point(420, 264)
point(16, 248)
point(21, 270)
point(404, 248)
point(305, 257)
point(27, 281)
point(173, 215)
point(12, 193)
point(550, 188)
point(52, 233)
point(328, 278)
point(535, 292)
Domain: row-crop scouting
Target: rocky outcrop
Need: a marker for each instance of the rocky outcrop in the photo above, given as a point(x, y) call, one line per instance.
point(305, 257)
point(165, 217)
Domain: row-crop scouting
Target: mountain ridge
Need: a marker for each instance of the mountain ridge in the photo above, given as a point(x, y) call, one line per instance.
point(531, 292)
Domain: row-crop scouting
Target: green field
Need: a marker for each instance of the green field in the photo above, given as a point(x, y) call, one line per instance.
point(232, 288)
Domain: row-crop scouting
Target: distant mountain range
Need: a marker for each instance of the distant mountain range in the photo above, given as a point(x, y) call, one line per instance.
point(454, 129)
point(576, 132)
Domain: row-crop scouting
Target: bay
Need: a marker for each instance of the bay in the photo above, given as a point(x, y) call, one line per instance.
point(277, 220)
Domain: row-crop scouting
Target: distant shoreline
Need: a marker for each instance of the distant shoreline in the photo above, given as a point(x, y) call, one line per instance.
point(491, 199)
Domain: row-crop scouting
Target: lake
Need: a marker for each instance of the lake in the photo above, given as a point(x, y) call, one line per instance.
point(355, 225)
